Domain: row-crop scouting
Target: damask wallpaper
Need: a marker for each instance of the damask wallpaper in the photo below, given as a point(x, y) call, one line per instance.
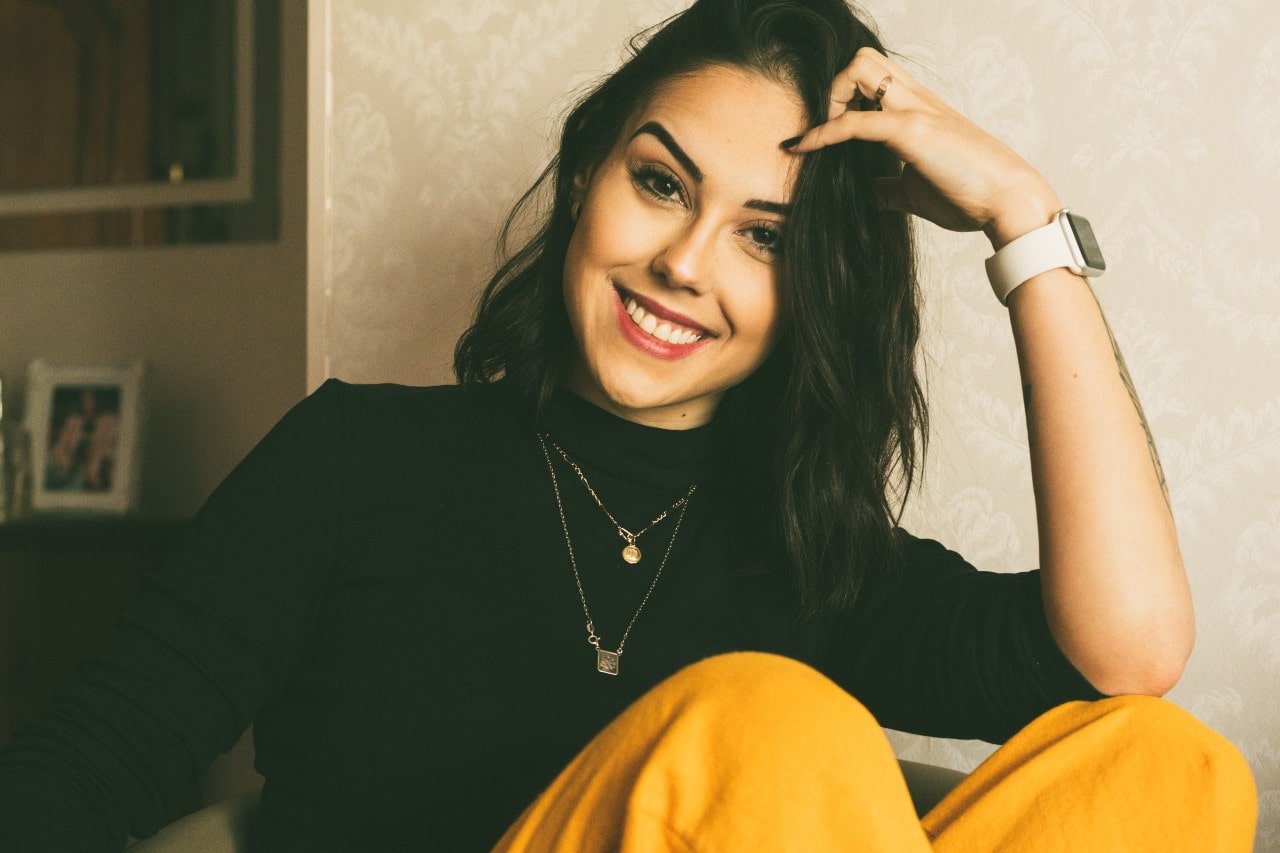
point(1159, 119)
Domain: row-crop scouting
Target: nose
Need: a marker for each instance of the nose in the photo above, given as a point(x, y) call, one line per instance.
point(685, 261)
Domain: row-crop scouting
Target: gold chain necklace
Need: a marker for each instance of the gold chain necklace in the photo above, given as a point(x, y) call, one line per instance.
point(606, 661)
point(631, 551)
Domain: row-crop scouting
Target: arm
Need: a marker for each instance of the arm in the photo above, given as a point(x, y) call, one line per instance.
point(210, 639)
point(939, 648)
point(1114, 589)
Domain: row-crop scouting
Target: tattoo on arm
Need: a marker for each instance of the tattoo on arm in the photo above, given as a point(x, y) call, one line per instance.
point(1137, 404)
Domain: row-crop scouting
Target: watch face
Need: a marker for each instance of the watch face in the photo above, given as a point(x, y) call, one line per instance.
point(1089, 247)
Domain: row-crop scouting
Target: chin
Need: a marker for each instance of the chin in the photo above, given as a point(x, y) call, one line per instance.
point(635, 398)
point(646, 401)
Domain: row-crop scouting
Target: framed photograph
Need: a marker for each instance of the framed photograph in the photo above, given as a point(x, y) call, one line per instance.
point(85, 425)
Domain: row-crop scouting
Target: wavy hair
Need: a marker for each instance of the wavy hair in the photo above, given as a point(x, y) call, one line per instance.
point(828, 433)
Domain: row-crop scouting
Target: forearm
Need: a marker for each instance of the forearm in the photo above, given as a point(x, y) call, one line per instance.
point(1115, 591)
point(1114, 588)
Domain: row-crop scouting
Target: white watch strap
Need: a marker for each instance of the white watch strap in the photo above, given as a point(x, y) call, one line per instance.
point(1035, 252)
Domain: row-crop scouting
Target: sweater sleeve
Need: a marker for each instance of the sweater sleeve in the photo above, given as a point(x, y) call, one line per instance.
point(209, 640)
point(940, 648)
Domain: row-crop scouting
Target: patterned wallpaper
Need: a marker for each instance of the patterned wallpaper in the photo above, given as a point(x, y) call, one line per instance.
point(1159, 119)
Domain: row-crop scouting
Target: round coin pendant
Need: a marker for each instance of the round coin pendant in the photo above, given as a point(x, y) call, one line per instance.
point(631, 554)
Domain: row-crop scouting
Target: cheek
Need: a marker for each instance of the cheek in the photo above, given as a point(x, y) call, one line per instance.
point(777, 320)
point(588, 289)
point(576, 270)
point(617, 228)
point(756, 309)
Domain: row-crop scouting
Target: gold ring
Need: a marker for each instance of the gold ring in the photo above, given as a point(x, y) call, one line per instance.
point(883, 88)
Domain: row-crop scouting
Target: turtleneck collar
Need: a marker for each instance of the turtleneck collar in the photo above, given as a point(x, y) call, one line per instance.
point(641, 454)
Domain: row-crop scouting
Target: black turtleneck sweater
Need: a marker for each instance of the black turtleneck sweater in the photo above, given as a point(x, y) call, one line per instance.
point(383, 589)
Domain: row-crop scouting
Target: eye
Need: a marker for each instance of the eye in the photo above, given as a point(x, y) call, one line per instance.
point(765, 238)
point(658, 183)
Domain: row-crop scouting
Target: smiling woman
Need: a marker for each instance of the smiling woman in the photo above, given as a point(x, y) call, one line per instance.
point(638, 580)
point(671, 284)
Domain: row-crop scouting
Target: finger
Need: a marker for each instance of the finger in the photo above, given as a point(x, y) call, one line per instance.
point(899, 73)
point(870, 97)
point(867, 126)
point(862, 80)
point(853, 85)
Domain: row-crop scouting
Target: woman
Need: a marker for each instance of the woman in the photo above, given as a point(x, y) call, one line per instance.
point(681, 410)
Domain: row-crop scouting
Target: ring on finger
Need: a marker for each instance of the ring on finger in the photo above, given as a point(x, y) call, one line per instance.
point(883, 88)
point(872, 103)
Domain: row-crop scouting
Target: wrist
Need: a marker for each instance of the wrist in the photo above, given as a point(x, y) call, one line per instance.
point(1066, 241)
point(1026, 214)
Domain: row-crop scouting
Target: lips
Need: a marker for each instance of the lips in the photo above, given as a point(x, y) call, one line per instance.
point(660, 324)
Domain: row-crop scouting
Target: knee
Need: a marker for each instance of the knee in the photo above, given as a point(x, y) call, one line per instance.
point(769, 690)
point(1156, 726)
point(1151, 719)
point(750, 675)
point(753, 716)
point(748, 669)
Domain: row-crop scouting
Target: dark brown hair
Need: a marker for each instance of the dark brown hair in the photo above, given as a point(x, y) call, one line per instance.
point(828, 432)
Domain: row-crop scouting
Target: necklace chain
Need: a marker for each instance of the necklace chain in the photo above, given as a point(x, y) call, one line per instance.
point(631, 552)
point(606, 661)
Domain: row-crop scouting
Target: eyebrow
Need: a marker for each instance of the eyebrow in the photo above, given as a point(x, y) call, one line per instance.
point(660, 133)
point(769, 206)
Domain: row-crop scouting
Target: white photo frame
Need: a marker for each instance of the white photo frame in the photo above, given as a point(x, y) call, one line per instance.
point(85, 424)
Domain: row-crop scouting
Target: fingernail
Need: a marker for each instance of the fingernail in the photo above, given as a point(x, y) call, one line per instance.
point(792, 142)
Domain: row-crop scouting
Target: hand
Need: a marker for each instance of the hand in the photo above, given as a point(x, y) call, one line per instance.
point(954, 173)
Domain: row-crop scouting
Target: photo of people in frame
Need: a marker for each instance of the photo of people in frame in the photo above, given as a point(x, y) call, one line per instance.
point(83, 438)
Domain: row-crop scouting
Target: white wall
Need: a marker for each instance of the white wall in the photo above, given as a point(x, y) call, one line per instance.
point(1160, 121)
point(222, 326)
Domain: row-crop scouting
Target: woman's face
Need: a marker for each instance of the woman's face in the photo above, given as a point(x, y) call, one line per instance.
point(671, 277)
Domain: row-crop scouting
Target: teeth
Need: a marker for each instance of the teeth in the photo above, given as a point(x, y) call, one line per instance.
point(662, 330)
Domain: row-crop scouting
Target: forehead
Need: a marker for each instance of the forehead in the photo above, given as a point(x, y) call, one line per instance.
point(731, 121)
point(722, 81)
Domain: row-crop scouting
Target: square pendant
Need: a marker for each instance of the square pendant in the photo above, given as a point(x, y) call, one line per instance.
point(607, 662)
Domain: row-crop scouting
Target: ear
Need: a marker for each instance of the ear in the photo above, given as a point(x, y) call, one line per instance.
point(581, 180)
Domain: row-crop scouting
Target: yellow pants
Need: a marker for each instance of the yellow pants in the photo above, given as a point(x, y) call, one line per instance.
point(754, 752)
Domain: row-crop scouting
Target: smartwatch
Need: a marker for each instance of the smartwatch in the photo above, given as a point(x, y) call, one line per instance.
point(1067, 241)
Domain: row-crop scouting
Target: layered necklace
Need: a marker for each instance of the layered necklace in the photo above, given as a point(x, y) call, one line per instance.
point(607, 661)
point(631, 551)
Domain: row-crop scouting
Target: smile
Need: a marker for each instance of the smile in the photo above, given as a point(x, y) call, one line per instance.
point(657, 327)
